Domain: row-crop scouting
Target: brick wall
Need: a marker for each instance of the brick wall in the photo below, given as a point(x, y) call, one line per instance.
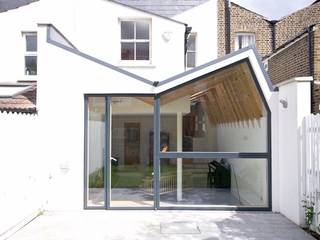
point(291, 62)
point(222, 28)
point(243, 20)
point(289, 27)
point(316, 69)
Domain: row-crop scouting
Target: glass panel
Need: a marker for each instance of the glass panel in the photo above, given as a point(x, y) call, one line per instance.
point(142, 51)
point(191, 59)
point(96, 151)
point(213, 182)
point(132, 152)
point(30, 65)
point(191, 43)
point(222, 112)
point(31, 41)
point(244, 40)
point(127, 51)
point(142, 28)
point(127, 30)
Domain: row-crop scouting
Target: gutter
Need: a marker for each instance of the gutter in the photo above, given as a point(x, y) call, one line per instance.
point(227, 19)
point(310, 56)
point(273, 34)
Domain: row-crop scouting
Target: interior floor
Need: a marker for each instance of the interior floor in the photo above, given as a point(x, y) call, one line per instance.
point(133, 197)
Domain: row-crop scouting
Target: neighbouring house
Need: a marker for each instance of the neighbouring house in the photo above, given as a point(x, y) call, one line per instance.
point(126, 105)
point(289, 46)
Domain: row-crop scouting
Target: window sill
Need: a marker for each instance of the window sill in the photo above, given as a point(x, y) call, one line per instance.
point(135, 64)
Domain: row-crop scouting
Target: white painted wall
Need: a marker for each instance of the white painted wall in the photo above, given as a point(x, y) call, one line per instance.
point(94, 28)
point(249, 181)
point(203, 20)
point(248, 176)
point(297, 94)
point(23, 171)
point(242, 137)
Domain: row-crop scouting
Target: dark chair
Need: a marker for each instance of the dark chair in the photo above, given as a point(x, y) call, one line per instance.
point(210, 175)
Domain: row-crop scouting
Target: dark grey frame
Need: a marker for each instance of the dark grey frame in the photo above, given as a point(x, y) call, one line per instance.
point(158, 155)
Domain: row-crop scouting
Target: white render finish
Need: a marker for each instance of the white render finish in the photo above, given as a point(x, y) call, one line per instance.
point(294, 92)
point(204, 26)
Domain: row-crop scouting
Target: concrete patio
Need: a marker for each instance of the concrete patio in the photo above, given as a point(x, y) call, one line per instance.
point(121, 225)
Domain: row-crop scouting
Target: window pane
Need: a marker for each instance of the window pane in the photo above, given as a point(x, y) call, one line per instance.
point(127, 51)
point(244, 40)
point(222, 112)
point(142, 51)
point(213, 182)
point(191, 59)
point(127, 30)
point(31, 43)
point(191, 43)
point(96, 151)
point(30, 65)
point(142, 30)
point(132, 151)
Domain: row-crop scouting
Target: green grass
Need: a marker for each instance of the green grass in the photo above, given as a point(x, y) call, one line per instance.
point(127, 176)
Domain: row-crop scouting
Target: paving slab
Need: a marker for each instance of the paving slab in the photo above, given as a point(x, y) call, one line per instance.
point(171, 225)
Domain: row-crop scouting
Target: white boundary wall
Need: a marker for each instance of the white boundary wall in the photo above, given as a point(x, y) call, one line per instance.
point(23, 171)
point(296, 94)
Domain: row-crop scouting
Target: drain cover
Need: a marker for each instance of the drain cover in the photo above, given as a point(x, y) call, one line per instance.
point(179, 228)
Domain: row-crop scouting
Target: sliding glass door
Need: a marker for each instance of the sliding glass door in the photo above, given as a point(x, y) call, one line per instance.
point(131, 152)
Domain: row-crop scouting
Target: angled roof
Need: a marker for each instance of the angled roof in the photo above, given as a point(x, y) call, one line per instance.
point(6, 5)
point(158, 87)
point(166, 8)
point(24, 102)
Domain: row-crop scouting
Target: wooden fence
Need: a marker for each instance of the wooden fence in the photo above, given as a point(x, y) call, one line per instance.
point(310, 169)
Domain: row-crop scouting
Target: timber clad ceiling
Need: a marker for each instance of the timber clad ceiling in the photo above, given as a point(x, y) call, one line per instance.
point(229, 96)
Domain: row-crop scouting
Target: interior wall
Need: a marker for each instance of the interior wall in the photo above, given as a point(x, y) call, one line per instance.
point(249, 181)
point(251, 175)
point(242, 137)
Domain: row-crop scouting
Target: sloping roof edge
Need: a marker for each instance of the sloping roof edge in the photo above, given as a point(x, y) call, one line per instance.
point(219, 60)
point(286, 45)
point(74, 50)
point(175, 77)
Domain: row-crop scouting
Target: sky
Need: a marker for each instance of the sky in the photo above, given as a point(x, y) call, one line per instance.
point(274, 9)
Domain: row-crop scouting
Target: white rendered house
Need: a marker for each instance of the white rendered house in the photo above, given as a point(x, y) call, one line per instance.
point(134, 111)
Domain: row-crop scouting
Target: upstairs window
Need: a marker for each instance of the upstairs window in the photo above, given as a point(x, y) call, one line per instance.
point(30, 56)
point(244, 40)
point(191, 51)
point(135, 40)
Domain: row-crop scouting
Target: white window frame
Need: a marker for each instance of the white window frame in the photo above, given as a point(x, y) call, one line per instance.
point(192, 51)
point(29, 54)
point(134, 62)
point(236, 45)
